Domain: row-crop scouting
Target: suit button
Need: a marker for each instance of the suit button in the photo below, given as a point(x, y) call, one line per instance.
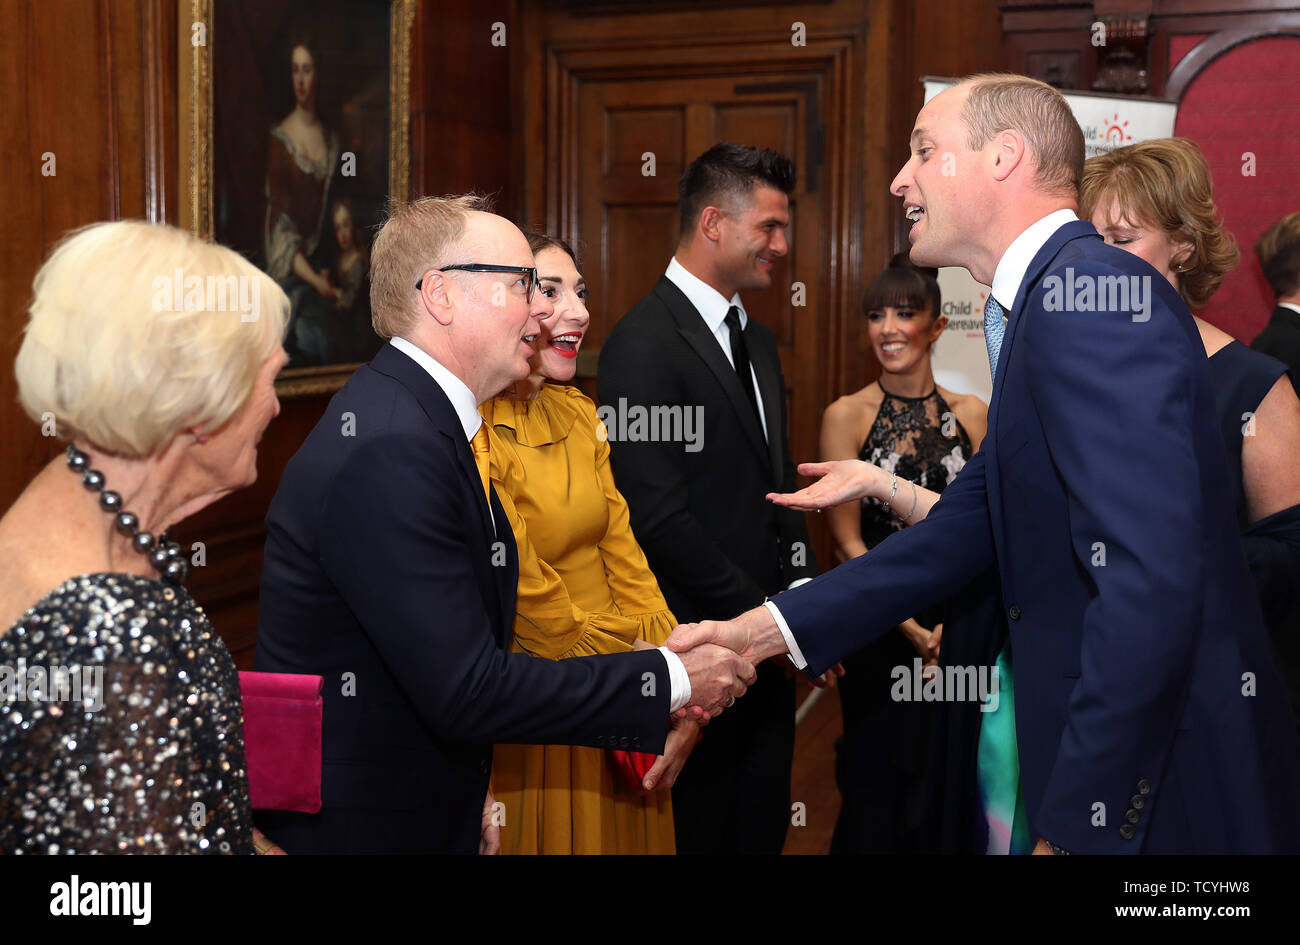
point(600, 741)
point(1132, 816)
point(636, 741)
point(1015, 612)
point(1127, 831)
point(484, 767)
point(1144, 787)
point(1137, 800)
point(625, 742)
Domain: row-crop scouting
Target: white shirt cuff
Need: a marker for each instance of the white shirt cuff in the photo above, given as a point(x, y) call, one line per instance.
point(678, 679)
point(796, 583)
point(796, 654)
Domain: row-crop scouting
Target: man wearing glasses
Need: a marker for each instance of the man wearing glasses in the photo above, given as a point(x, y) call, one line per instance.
point(390, 569)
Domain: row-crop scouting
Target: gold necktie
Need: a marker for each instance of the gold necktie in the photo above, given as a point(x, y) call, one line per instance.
point(482, 459)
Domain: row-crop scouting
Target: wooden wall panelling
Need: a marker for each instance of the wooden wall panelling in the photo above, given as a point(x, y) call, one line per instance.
point(1053, 44)
point(76, 94)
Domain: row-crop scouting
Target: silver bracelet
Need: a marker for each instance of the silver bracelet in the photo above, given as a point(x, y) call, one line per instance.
point(913, 508)
point(893, 491)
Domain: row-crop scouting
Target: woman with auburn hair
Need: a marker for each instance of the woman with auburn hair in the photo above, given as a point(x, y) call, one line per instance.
point(584, 588)
point(1155, 199)
point(161, 383)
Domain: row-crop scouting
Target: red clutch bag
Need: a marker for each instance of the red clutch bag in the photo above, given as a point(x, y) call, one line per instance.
point(282, 740)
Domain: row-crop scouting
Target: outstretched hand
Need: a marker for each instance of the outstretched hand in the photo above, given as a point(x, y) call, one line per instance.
point(754, 635)
point(839, 481)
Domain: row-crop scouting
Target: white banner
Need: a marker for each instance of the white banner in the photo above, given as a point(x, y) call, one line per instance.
point(960, 359)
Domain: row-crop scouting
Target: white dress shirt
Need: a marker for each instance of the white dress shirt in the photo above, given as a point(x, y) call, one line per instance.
point(1291, 305)
point(465, 404)
point(1008, 275)
point(1015, 261)
point(712, 306)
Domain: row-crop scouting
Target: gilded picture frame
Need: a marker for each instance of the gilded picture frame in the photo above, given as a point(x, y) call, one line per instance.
point(224, 191)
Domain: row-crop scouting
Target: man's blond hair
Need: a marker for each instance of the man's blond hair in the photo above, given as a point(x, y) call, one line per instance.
point(999, 102)
point(413, 240)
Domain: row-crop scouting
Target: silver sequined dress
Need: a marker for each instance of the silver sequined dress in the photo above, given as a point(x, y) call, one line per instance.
point(121, 728)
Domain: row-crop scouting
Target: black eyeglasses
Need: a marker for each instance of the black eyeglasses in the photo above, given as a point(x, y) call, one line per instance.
point(530, 283)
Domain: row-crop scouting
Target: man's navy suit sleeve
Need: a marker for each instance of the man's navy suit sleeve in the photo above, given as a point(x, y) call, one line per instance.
point(392, 541)
point(1114, 399)
point(862, 599)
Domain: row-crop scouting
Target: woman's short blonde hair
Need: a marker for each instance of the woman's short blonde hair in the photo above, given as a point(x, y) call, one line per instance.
point(137, 331)
point(1166, 183)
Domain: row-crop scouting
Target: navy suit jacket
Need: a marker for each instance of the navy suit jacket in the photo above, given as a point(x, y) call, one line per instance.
point(383, 575)
point(1149, 712)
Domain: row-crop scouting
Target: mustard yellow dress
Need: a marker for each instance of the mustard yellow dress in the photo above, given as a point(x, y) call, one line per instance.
point(584, 588)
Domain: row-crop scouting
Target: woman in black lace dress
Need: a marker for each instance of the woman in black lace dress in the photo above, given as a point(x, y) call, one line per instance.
point(921, 436)
point(120, 722)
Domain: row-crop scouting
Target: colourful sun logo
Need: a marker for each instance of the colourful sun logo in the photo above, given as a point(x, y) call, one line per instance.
point(1117, 132)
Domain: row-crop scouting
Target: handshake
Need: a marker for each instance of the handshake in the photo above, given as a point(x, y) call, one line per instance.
point(720, 656)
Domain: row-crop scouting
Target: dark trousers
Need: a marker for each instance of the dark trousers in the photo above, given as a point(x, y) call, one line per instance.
point(733, 795)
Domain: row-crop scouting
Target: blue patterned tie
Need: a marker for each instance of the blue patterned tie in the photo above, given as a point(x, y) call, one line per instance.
point(994, 329)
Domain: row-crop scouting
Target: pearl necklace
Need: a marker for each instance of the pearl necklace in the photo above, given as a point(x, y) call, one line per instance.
point(165, 555)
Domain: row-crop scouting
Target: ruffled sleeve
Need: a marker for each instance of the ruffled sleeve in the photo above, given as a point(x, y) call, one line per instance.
point(631, 582)
point(548, 623)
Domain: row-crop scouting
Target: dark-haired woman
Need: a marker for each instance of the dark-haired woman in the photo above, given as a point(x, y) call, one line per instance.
point(300, 162)
point(584, 589)
point(922, 436)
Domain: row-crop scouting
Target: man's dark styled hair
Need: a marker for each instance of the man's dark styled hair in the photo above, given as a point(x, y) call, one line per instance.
point(729, 170)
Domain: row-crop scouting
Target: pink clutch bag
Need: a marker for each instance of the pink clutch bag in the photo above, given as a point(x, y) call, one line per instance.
point(282, 740)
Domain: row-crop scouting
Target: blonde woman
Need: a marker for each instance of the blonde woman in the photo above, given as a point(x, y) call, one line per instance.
point(162, 392)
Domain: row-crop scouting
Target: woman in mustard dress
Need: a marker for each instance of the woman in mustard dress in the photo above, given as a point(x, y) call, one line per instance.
point(584, 588)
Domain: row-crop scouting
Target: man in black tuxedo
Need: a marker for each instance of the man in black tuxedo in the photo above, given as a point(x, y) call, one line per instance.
point(698, 508)
point(1279, 256)
point(391, 569)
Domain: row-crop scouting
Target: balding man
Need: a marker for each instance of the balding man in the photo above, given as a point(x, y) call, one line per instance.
point(1149, 713)
point(391, 568)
